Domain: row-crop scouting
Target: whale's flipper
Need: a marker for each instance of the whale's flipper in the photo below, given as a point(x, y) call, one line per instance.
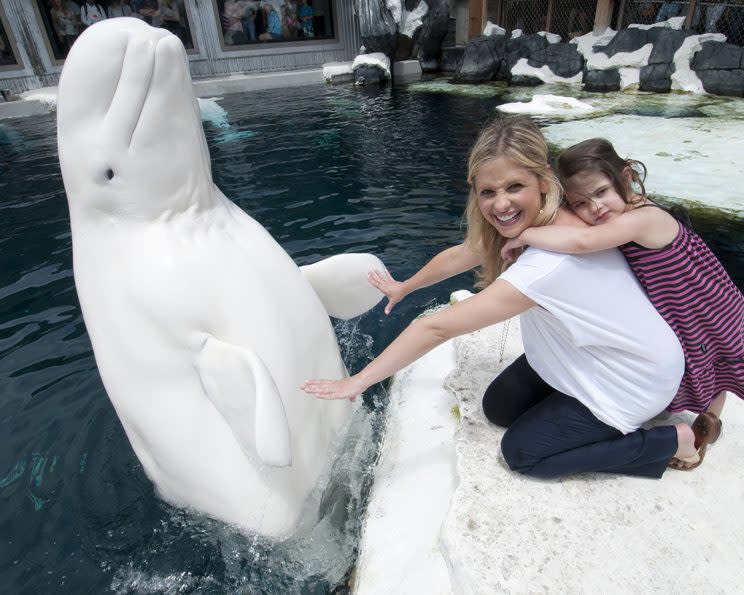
point(232, 376)
point(342, 285)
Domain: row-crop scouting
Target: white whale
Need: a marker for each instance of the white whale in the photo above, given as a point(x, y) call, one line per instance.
point(202, 326)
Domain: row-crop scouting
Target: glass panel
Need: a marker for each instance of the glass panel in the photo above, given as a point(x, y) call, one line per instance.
point(8, 57)
point(251, 22)
point(64, 20)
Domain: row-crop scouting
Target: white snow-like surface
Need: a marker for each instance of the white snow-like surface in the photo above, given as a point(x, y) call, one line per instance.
point(548, 105)
point(586, 42)
point(375, 59)
point(592, 533)
point(410, 21)
point(629, 77)
point(551, 37)
point(638, 58)
point(543, 73)
point(671, 23)
point(414, 483)
point(691, 159)
point(332, 70)
point(683, 77)
point(516, 33)
point(492, 29)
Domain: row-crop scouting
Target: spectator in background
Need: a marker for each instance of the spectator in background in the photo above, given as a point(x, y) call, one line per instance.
point(291, 24)
point(119, 8)
point(64, 24)
point(149, 10)
point(232, 22)
point(91, 13)
point(171, 19)
point(273, 24)
point(249, 20)
point(306, 19)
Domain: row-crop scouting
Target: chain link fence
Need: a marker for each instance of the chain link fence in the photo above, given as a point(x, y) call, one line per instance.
point(709, 16)
point(567, 18)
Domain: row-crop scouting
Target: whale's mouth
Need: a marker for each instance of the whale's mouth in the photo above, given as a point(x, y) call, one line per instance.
point(133, 88)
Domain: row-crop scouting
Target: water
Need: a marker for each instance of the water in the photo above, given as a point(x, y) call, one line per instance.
point(325, 171)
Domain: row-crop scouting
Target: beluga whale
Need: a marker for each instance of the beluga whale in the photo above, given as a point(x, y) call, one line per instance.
point(202, 326)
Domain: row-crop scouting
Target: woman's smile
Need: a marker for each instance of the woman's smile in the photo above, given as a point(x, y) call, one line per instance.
point(509, 195)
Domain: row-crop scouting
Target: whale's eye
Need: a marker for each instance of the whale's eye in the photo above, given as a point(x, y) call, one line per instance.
point(110, 173)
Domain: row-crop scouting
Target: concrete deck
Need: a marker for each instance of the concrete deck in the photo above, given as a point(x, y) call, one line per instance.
point(504, 533)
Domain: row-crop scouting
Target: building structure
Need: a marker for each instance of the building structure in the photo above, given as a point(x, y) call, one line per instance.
point(222, 37)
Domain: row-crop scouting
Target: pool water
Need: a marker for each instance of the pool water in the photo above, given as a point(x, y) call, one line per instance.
point(325, 170)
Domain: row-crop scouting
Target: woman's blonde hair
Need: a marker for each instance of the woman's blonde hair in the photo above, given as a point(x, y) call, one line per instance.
point(519, 140)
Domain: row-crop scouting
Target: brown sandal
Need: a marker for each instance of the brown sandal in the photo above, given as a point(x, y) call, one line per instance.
point(707, 428)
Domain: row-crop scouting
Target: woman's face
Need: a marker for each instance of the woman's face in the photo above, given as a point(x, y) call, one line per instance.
point(593, 198)
point(509, 196)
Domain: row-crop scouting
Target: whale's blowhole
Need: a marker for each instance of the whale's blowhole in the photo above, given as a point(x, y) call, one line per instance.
point(110, 173)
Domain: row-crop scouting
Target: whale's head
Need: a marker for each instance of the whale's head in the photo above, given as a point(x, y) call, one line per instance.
point(130, 138)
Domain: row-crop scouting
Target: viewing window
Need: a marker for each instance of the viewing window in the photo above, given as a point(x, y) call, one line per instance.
point(64, 20)
point(8, 53)
point(248, 23)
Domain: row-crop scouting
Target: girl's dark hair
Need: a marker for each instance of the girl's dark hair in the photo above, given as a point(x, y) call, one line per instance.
point(598, 154)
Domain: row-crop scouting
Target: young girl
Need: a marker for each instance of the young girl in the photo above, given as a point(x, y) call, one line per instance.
point(562, 416)
point(683, 279)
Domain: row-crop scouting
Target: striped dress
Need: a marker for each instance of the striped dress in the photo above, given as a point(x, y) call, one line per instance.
point(691, 290)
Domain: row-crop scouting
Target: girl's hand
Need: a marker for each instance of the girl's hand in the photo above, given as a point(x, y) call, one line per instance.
point(393, 290)
point(346, 388)
point(507, 252)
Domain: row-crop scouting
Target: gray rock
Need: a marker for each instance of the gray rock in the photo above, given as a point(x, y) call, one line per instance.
point(602, 80)
point(452, 58)
point(521, 80)
point(716, 55)
point(626, 40)
point(431, 34)
point(723, 82)
point(563, 59)
point(665, 46)
point(656, 78)
point(524, 47)
point(368, 74)
point(481, 59)
point(377, 27)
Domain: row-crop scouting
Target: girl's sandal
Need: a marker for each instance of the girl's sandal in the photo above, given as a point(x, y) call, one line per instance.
point(707, 428)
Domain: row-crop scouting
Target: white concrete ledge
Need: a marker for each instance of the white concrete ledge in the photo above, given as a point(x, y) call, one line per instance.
point(257, 82)
point(21, 109)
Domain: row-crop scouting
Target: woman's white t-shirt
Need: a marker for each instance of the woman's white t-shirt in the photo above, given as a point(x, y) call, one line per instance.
point(595, 336)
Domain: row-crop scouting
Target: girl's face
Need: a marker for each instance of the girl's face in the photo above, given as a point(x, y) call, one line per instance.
point(593, 198)
point(509, 196)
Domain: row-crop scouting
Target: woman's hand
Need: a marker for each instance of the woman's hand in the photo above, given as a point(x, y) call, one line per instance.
point(393, 290)
point(346, 388)
point(507, 252)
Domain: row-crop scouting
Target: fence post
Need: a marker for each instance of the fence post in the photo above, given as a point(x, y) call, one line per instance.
point(690, 13)
point(602, 16)
point(549, 16)
point(476, 18)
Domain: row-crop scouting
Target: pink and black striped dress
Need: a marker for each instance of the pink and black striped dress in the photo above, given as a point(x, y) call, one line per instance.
point(691, 290)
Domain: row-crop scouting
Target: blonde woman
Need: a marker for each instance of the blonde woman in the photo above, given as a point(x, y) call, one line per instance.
point(599, 360)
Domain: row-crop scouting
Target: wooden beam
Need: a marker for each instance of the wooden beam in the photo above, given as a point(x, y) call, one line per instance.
point(602, 16)
point(549, 16)
point(477, 10)
point(620, 16)
point(690, 13)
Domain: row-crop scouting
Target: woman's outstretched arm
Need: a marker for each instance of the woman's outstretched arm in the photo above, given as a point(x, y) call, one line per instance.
point(446, 264)
point(496, 303)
